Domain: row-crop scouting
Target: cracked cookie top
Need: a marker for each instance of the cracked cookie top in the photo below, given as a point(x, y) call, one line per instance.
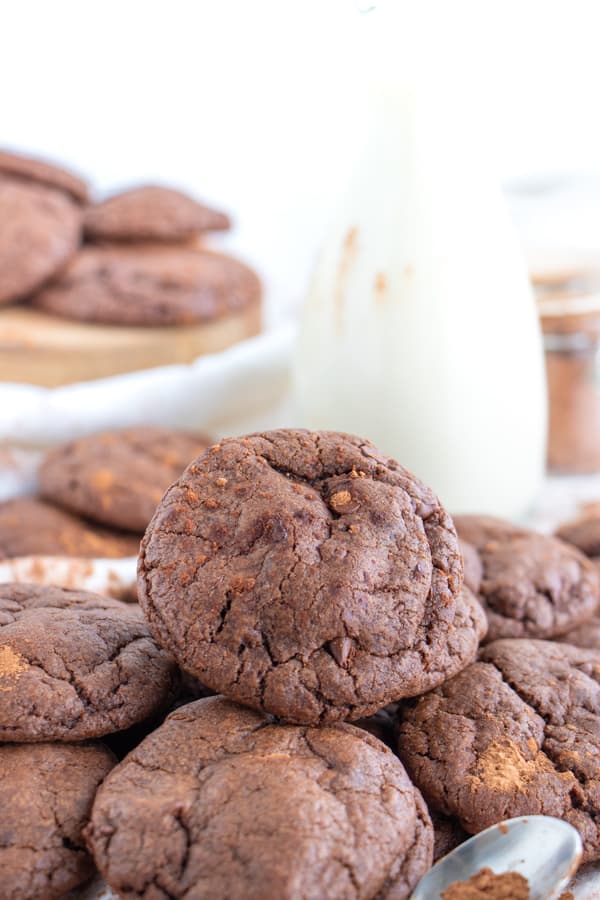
point(515, 734)
point(74, 665)
point(222, 802)
point(307, 575)
point(532, 585)
point(46, 794)
point(118, 477)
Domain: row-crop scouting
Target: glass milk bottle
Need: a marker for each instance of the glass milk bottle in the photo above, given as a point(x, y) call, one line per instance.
point(420, 330)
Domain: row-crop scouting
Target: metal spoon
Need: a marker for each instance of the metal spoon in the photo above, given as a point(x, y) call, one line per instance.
point(546, 851)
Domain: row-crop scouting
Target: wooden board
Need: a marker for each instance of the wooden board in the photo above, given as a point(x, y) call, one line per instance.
point(36, 348)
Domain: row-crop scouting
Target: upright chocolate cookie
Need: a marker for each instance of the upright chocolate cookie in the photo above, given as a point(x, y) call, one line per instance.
point(306, 575)
point(515, 734)
point(75, 666)
point(150, 285)
point(118, 477)
point(532, 585)
point(583, 533)
point(30, 527)
point(221, 803)
point(46, 794)
point(39, 234)
point(45, 173)
point(151, 213)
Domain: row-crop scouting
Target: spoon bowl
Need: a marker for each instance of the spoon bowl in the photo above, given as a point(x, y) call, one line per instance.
point(545, 850)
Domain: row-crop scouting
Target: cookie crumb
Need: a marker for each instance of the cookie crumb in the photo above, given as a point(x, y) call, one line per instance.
point(341, 498)
point(221, 482)
point(485, 885)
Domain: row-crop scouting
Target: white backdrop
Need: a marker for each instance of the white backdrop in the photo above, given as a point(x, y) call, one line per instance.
point(250, 103)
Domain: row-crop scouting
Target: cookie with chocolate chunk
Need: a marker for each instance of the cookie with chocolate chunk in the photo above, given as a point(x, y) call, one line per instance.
point(151, 213)
point(150, 285)
point(46, 795)
point(75, 666)
point(307, 575)
point(532, 585)
point(40, 232)
point(118, 477)
point(232, 804)
point(31, 527)
point(517, 733)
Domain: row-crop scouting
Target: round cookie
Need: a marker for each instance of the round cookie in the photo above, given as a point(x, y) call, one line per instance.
point(149, 285)
point(586, 635)
point(306, 575)
point(46, 794)
point(30, 527)
point(118, 477)
point(151, 213)
point(532, 585)
point(40, 232)
point(515, 734)
point(45, 173)
point(226, 803)
point(472, 566)
point(583, 533)
point(75, 666)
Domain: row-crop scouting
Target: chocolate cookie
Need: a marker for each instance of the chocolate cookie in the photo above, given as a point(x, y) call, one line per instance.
point(472, 566)
point(583, 533)
point(118, 477)
point(532, 585)
point(151, 213)
point(220, 802)
point(40, 232)
point(150, 285)
point(46, 794)
point(45, 173)
point(515, 734)
point(306, 575)
point(587, 635)
point(30, 527)
point(447, 834)
point(75, 666)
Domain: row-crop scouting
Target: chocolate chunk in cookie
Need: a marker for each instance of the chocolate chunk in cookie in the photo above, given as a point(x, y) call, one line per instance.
point(46, 794)
point(306, 575)
point(515, 734)
point(39, 234)
point(151, 213)
point(583, 533)
point(38, 171)
point(226, 803)
point(532, 585)
point(31, 527)
point(118, 477)
point(150, 285)
point(75, 666)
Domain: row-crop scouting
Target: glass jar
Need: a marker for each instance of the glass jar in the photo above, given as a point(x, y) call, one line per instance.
point(569, 306)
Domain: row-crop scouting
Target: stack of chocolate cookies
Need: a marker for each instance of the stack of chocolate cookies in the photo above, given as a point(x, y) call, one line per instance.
point(113, 286)
point(311, 582)
point(97, 494)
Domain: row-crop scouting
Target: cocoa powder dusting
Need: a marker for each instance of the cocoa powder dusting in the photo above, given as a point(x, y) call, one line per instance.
point(503, 766)
point(12, 665)
point(485, 885)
